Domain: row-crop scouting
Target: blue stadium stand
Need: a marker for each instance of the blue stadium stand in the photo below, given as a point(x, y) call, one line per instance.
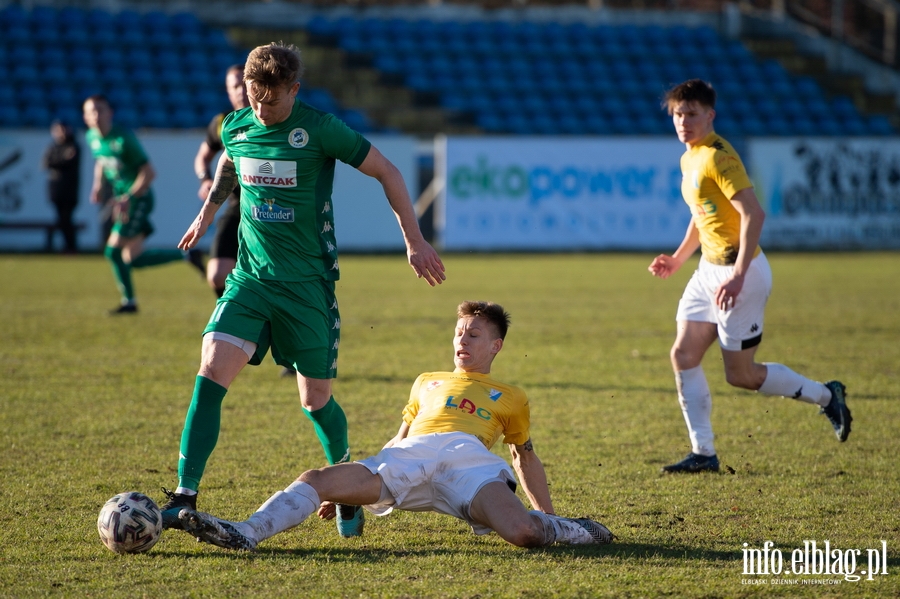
point(530, 77)
point(157, 69)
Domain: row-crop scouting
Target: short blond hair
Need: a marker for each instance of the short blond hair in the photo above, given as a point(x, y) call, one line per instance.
point(494, 313)
point(273, 65)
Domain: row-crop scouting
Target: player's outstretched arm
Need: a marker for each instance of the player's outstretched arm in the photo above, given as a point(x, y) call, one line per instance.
point(97, 184)
point(531, 474)
point(664, 266)
point(423, 258)
point(224, 183)
point(401, 434)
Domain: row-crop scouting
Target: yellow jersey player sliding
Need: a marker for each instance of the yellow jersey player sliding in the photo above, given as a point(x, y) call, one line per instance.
point(439, 461)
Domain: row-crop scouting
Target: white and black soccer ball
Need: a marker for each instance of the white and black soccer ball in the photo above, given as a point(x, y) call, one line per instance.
point(129, 523)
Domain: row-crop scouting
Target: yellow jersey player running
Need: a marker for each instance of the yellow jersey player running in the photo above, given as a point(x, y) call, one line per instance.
point(726, 297)
point(439, 461)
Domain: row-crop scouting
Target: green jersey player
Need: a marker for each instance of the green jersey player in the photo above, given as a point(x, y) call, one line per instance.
point(122, 162)
point(280, 295)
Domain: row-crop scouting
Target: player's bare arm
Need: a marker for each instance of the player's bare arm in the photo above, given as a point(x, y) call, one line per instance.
point(664, 266)
point(142, 182)
point(423, 258)
point(752, 218)
point(141, 185)
point(401, 434)
point(224, 183)
point(530, 471)
point(97, 184)
point(201, 168)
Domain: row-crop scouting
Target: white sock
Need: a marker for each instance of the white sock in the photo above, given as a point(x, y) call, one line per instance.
point(283, 510)
point(185, 491)
point(696, 405)
point(781, 380)
point(551, 528)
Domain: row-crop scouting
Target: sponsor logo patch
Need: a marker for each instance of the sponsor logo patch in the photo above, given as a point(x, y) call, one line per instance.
point(268, 173)
point(272, 213)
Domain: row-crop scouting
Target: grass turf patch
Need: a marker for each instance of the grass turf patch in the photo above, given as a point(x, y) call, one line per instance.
point(92, 405)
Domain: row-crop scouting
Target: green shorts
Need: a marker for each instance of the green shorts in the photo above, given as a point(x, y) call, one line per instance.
point(299, 321)
point(139, 210)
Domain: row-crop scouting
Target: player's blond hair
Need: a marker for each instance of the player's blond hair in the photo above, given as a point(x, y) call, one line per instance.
point(494, 313)
point(273, 66)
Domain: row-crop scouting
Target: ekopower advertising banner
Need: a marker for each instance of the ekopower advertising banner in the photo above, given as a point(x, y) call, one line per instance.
point(828, 193)
point(553, 193)
point(363, 218)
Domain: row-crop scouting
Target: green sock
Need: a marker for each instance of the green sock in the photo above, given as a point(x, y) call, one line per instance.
point(156, 257)
point(121, 271)
point(331, 428)
point(201, 431)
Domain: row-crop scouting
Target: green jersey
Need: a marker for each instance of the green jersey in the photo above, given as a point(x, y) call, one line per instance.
point(120, 154)
point(286, 174)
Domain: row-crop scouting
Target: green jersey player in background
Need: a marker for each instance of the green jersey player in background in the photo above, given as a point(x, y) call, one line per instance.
point(121, 160)
point(280, 295)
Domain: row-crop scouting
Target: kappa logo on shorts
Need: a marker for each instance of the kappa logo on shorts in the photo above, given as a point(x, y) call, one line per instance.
point(298, 138)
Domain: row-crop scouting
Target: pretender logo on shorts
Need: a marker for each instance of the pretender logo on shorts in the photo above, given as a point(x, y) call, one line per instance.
point(272, 212)
point(298, 138)
point(268, 173)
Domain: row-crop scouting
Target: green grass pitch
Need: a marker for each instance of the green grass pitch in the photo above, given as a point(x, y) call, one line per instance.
point(92, 405)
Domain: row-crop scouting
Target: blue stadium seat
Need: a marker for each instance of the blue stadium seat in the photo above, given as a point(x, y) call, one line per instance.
point(597, 125)
point(880, 125)
point(154, 117)
point(185, 117)
point(128, 21)
point(25, 74)
point(843, 107)
point(72, 17)
point(75, 37)
point(127, 116)
point(356, 120)
point(148, 98)
point(804, 126)
point(9, 113)
point(490, 122)
point(36, 115)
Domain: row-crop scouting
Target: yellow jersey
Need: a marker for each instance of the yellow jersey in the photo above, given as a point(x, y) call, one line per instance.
point(711, 173)
point(443, 402)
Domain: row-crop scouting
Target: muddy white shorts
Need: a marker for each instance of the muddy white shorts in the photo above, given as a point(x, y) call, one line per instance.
point(439, 472)
point(741, 326)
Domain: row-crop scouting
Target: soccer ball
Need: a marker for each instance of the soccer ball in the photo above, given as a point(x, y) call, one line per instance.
point(129, 523)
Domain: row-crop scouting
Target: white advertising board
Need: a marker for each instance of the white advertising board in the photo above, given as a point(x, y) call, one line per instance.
point(363, 218)
point(555, 193)
point(828, 193)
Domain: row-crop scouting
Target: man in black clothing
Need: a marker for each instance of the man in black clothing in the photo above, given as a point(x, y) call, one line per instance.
point(62, 160)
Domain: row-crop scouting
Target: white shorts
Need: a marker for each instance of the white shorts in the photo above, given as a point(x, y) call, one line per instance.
point(440, 472)
point(741, 326)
